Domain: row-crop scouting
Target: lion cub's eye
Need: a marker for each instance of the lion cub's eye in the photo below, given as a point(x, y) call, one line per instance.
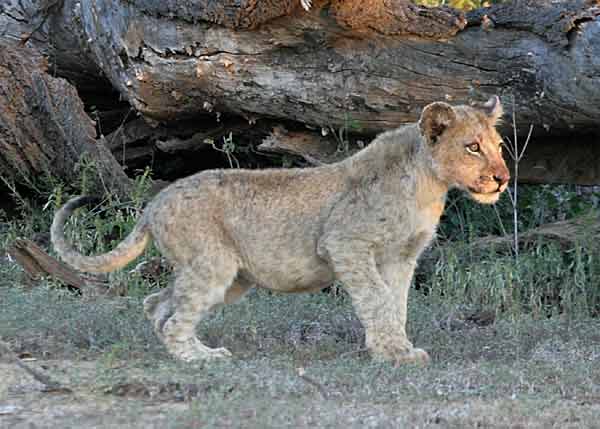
point(473, 148)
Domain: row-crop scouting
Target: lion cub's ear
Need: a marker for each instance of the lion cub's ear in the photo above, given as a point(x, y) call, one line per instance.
point(493, 108)
point(435, 119)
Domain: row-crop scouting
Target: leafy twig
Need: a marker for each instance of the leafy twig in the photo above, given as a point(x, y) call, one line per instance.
point(517, 156)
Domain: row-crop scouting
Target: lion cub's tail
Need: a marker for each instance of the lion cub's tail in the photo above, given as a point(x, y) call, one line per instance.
point(126, 251)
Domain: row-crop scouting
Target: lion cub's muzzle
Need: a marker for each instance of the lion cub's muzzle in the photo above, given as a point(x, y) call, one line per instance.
point(502, 179)
point(488, 188)
point(494, 183)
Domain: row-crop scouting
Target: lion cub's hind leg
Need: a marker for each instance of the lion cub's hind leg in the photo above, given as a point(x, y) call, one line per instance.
point(237, 290)
point(158, 308)
point(197, 288)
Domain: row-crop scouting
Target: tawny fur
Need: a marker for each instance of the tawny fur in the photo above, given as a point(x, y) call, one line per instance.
point(363, 221)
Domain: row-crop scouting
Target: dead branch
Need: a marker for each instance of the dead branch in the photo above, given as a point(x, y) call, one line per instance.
point(38, 264)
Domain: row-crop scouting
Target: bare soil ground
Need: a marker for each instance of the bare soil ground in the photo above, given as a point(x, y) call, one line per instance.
point(298, 362)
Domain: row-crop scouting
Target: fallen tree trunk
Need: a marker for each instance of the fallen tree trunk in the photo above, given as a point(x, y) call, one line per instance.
point(170, 63)
point(44, 131)
point(308, 69)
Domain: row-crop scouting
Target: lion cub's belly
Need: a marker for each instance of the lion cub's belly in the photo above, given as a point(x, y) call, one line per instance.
point(290, 275)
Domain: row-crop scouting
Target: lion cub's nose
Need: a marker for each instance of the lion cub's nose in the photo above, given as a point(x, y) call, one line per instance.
point(502, 178)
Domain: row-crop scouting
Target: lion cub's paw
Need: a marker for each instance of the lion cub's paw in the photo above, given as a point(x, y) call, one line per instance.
point(399, 352)
point(150, 303)
point(418, 356)
point(193, 350)
point(194, 356)
point(220, 353)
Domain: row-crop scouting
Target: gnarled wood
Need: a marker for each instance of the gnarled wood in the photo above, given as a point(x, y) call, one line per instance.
point(44, 130)
point(308, 69)
point(314, 149)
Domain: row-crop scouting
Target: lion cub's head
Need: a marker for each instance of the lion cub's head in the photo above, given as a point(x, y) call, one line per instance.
point(466, 148)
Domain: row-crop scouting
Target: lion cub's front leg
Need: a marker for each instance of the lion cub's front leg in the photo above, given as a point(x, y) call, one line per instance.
point(398, 276)
point(380, 307)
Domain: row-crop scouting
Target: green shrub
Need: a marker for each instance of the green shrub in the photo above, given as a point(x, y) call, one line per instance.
point(543, 281)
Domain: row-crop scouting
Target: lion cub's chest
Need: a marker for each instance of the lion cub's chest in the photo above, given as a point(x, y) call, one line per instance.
point(425, 221)
point(429, 215)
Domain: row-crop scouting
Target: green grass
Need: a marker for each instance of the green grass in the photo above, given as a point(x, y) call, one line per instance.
point(542, 282)
point(532, 372)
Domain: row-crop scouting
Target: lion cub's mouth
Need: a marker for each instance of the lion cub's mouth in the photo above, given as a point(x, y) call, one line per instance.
point(474, 191)
point(485, 197)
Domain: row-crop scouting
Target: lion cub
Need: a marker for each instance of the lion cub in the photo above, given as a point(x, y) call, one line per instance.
point(363, 221)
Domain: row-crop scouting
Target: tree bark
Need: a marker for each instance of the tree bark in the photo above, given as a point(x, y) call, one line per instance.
point(308, 69)
point(170, 63)
point(44, 131)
